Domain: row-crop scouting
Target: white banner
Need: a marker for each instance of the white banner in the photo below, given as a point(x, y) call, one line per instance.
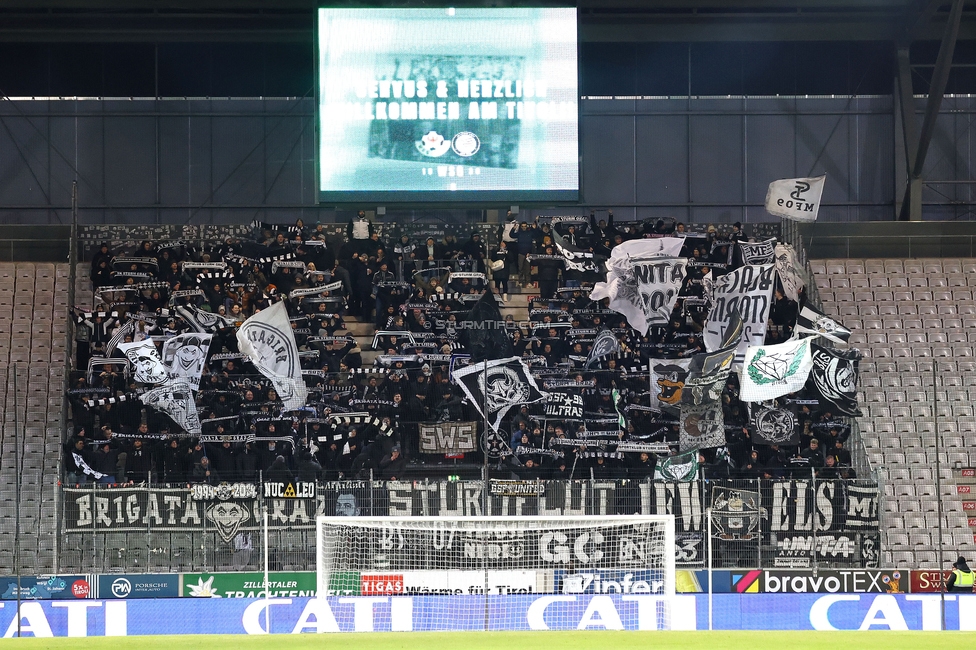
point(185, 356)
point(266, 338)
point(175, 399)
point(644, 279)
point(147, 366)
point(658, 284)
point(795, 198)
point(771, 371)
point(747, 290)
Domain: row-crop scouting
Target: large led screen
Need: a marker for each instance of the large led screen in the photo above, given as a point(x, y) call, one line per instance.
point(447, 104)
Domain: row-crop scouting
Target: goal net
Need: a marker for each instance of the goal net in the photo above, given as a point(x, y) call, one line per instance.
point(495, 573)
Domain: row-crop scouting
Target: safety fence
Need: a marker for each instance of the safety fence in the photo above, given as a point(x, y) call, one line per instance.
point(755, 523)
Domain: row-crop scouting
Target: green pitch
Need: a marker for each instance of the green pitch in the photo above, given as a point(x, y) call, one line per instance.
point(528, 640)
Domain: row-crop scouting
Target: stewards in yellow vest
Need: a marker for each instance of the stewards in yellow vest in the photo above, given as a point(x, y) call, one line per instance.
point(961, 578)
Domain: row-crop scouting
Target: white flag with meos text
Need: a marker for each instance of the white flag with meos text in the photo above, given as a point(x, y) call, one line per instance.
point(268, 341)
point(795, 198)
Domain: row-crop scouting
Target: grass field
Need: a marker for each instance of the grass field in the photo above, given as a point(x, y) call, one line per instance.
point(529, 641)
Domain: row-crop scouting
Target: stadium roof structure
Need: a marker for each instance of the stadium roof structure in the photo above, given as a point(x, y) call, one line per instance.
point(600, 20)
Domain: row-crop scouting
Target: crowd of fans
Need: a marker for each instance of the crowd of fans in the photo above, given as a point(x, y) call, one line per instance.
point(416, 294)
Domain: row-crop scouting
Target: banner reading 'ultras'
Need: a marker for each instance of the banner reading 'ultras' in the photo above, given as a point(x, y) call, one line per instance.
point(447, 104)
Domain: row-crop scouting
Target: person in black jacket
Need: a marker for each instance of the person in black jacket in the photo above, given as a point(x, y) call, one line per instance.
point(501, 275)
point(548, 275)
point(174, 463)
point(138, 463)
point(278, 472)
point(308, 470)
point(474, 248)
point(204, 472)
point(359, 299)
point(391, 466)
point(248, 462)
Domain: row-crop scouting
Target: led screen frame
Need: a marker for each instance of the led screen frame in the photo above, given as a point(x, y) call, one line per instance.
point(447, 151)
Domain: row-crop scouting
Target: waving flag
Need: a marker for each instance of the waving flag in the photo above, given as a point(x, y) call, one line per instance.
point(494, 387)
point(795, 198)
point(604, 345)
point(268, 341)
point(771, 371)
point(812, 321)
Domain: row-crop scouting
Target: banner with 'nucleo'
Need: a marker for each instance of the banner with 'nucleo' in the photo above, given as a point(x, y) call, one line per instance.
point(616, 611)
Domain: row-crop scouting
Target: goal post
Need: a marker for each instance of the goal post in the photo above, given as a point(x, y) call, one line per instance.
point(491, 568)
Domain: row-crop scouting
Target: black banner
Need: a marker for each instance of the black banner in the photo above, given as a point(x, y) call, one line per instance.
point(796, 521)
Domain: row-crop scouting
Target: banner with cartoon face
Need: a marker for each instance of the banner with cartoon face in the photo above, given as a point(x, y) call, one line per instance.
point(185, 356)
point(667, 382)
point(147, 367)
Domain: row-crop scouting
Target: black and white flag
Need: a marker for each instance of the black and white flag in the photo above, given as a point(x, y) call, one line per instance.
point(644, 278)
point(124, 330)
point(862, 506)
point(147, 367)
point(760, 252)
point(175, 399)
point(268, 341)
point(834, 377)
point(795, 198)
point(748, 291)
point(775, 426)
point(604, 345)
point(812, 321)
point(788, 269)
point(702, 426)
point(736, 513)
point(494, 387)
point(185, 356)
point(702, 421)
point(202, 321)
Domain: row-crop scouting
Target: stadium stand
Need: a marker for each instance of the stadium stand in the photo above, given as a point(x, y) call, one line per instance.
point(915, 321)
point(357, 360)
point(33, 325)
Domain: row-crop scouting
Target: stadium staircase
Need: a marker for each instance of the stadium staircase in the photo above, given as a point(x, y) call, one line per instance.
point(33, 327)
point(915, 322)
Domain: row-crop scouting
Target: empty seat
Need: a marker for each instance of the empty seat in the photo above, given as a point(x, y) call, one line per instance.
point(854, 267)
point(835, 267)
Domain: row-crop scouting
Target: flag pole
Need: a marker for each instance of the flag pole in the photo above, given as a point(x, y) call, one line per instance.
point(708, 513)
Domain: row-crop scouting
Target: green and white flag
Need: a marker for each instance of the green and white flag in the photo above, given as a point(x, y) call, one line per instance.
point(771, 371)
point(682, 468)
